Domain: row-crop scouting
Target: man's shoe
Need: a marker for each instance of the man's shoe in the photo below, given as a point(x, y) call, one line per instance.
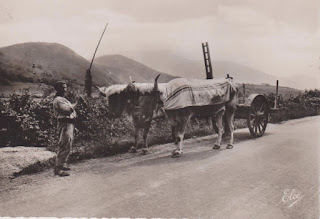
point(61, 173)
point(65, 168)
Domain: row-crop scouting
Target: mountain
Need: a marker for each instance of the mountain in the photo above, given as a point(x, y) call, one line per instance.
point(176, 64)
point(31, 63)
point(48, 62)
point(122, 68)
point(24, 65)
point(173, 64)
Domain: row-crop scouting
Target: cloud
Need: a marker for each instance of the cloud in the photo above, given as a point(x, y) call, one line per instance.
point(278, 37)
point(303, 15)
point(164, 10)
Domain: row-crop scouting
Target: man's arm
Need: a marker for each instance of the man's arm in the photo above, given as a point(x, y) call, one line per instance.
point(65, 106)
point(74, 105)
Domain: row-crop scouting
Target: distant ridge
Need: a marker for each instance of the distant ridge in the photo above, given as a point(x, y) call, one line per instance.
point(121, 68)
point(177, 65)
point(47, 62)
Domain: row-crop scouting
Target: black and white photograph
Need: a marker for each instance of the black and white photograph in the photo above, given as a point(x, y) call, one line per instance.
point(160, 109)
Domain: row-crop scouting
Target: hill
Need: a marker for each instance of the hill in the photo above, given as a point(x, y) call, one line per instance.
point(121, 68)
point(31, 63)
point(48, 62)
point(267, 89)
point(54, 61)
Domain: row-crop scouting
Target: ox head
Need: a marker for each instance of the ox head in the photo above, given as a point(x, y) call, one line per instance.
point(116, 99)
point(133, 99)
point(154, 102)
point(141, 101)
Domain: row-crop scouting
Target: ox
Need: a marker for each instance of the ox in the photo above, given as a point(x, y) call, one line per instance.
point(183, 98)
point(139, 100)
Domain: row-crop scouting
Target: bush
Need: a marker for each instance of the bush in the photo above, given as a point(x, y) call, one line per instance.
point(97, 134)
point(26, 120)
point(294, 107)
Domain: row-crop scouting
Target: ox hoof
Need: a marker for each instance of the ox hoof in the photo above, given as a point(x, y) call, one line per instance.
point(133, 150)
point(230, 146)
point(145, 151)
point(216, 146)
point(176, 153)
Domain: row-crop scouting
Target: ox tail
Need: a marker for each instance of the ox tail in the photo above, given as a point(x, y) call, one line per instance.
point(234, 90)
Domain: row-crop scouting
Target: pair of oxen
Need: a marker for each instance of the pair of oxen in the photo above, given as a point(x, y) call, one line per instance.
point(145, 100)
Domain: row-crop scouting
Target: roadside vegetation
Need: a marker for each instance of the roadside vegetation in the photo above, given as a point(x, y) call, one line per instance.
point(27, 122)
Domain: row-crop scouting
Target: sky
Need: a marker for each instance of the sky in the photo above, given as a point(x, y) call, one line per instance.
point(278, 37)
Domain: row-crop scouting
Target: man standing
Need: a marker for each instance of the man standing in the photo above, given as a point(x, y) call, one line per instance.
point(65, 113)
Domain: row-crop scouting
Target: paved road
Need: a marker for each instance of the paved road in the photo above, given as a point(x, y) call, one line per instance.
point(276, 176)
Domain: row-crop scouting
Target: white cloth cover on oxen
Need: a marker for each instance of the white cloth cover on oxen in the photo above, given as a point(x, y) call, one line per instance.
point(181, 92)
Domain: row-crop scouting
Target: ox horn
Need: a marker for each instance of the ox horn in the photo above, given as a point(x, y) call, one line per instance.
point(156, 82)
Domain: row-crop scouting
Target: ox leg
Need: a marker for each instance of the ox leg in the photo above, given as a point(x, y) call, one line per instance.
point(134, 148)
point(174, 134)
point(230, 121)
point(214, 125)
point(225, 125)
point(145, 137)
point(180, 130)
point(219, 124)
point(178, 151)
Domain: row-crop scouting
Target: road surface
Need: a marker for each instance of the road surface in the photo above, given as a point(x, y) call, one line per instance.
point(276, 176)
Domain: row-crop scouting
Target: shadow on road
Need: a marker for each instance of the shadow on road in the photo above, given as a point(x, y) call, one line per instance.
point(192, 151)
point(187, 156)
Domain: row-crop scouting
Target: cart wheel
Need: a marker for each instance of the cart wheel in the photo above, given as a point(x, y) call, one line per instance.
point(258, 116)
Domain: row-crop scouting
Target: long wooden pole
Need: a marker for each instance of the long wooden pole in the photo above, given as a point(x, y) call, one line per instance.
point(97, 47)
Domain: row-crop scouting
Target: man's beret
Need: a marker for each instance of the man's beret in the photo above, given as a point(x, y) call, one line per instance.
point(59, 84)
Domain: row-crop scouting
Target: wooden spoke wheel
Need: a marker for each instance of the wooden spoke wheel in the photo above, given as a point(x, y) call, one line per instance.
point(258, 116)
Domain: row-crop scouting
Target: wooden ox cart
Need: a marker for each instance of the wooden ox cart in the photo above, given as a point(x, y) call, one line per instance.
point(256, 110)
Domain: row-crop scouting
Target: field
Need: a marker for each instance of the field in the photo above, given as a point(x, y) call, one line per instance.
point(267, 89)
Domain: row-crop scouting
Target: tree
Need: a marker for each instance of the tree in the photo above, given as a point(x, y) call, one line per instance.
point(88, 83)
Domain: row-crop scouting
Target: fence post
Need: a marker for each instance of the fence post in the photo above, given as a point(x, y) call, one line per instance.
point(276, 99)
point(244, 92)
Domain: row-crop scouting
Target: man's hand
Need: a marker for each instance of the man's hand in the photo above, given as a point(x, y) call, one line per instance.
point(79, 99)
point(82, 100)
point(75, 104)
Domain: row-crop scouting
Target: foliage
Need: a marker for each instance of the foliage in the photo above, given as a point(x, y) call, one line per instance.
point(28, 121)
point(31, 122)
point(294, 107)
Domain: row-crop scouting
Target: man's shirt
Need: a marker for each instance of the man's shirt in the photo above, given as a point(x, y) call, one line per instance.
point(62, 108)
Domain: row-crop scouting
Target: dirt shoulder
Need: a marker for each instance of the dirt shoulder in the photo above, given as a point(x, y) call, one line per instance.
point(15, 160)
